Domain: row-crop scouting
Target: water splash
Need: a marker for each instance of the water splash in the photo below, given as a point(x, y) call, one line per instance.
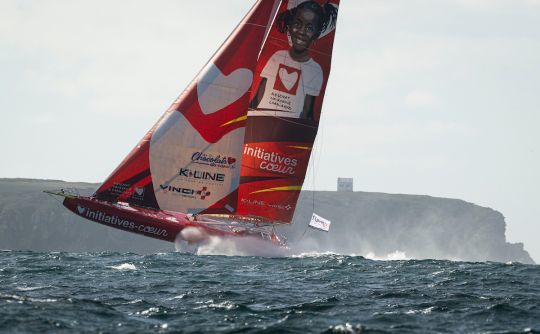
point(243, 246)
point(394, 256)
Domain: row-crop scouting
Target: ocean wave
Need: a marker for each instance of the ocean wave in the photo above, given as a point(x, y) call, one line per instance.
point(394, 256)
point(124, 267)
point(308, 292)
point(345, 328)
point(314, 254)
point(32, 288)
point(23, 299)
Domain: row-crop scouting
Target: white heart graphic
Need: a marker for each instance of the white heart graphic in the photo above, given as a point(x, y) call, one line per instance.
point(288, 79)
point(216, 91)
point(139, 191)
point(81, 209)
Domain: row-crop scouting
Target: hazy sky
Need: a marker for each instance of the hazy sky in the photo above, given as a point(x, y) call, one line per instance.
point(425, 97)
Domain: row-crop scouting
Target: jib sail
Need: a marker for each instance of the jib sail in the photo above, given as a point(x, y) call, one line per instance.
point(190, 160)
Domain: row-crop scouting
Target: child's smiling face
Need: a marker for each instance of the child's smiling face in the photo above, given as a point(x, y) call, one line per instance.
point(303, 29)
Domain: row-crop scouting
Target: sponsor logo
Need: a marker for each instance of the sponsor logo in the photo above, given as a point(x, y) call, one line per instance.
point(178, 190)
point(186, 192)
point(272, 161)
point(120, 222)
point(213, 160)
point(81, 209)
point(203, 193)
point(201, 175)
point(323, 224)
point(319, 222)
point(284, 207)
point(254, 202)
point(139, 191)
point(119, 189)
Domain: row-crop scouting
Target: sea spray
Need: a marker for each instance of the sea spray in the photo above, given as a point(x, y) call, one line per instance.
point(194, 240)
point(394, 256)
point(240, 246)
point(181, 245)
point(193, 234)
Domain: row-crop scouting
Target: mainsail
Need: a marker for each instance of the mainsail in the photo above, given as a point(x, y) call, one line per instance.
point(207, 153)
point(286, 100)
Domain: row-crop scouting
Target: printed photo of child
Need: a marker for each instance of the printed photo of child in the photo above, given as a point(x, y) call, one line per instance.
point(291, 80)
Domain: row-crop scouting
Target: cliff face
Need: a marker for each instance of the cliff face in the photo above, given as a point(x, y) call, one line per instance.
point(362, 223)
point(33, 220)
point(422, 227)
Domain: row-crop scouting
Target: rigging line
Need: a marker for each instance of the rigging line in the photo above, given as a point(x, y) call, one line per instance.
point(271, 113)
point(55, 198)
point(314, 165)
point(302, 236)
point(315, 161)
point(268, 26)
point(312, 161)
point(314, 152)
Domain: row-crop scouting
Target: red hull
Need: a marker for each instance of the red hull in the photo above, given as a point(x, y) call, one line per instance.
point(163, 225)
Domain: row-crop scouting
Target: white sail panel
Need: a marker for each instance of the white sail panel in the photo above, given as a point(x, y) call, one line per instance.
point(188, 172)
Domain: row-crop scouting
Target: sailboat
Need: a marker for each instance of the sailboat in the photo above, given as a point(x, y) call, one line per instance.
point(228, 158)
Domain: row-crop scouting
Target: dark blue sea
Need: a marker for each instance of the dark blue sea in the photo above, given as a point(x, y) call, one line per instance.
point(306, 293)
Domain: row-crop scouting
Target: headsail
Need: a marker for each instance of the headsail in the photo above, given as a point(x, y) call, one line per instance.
point(190, 160)
point(286, 100)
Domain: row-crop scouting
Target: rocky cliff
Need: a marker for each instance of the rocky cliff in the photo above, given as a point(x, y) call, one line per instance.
point(421, 227)
point(362, 223)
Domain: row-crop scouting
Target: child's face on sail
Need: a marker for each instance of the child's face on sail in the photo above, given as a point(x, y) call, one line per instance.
point(303, 29)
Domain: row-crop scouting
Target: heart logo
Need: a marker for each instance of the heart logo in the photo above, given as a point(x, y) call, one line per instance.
point(81, 209)
point(139, 191)
point(216, 90)
point(231, 161)
point(288, 79)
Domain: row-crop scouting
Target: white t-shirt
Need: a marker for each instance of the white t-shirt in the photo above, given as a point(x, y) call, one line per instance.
point(287, 84)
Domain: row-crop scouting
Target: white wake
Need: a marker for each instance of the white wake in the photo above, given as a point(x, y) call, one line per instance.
point(231, 246)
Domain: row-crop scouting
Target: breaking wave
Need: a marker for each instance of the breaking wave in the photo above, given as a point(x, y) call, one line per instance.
point(394, 256)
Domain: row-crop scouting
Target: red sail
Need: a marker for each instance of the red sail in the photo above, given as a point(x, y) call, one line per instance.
point(189, 161)
point(286, 100)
